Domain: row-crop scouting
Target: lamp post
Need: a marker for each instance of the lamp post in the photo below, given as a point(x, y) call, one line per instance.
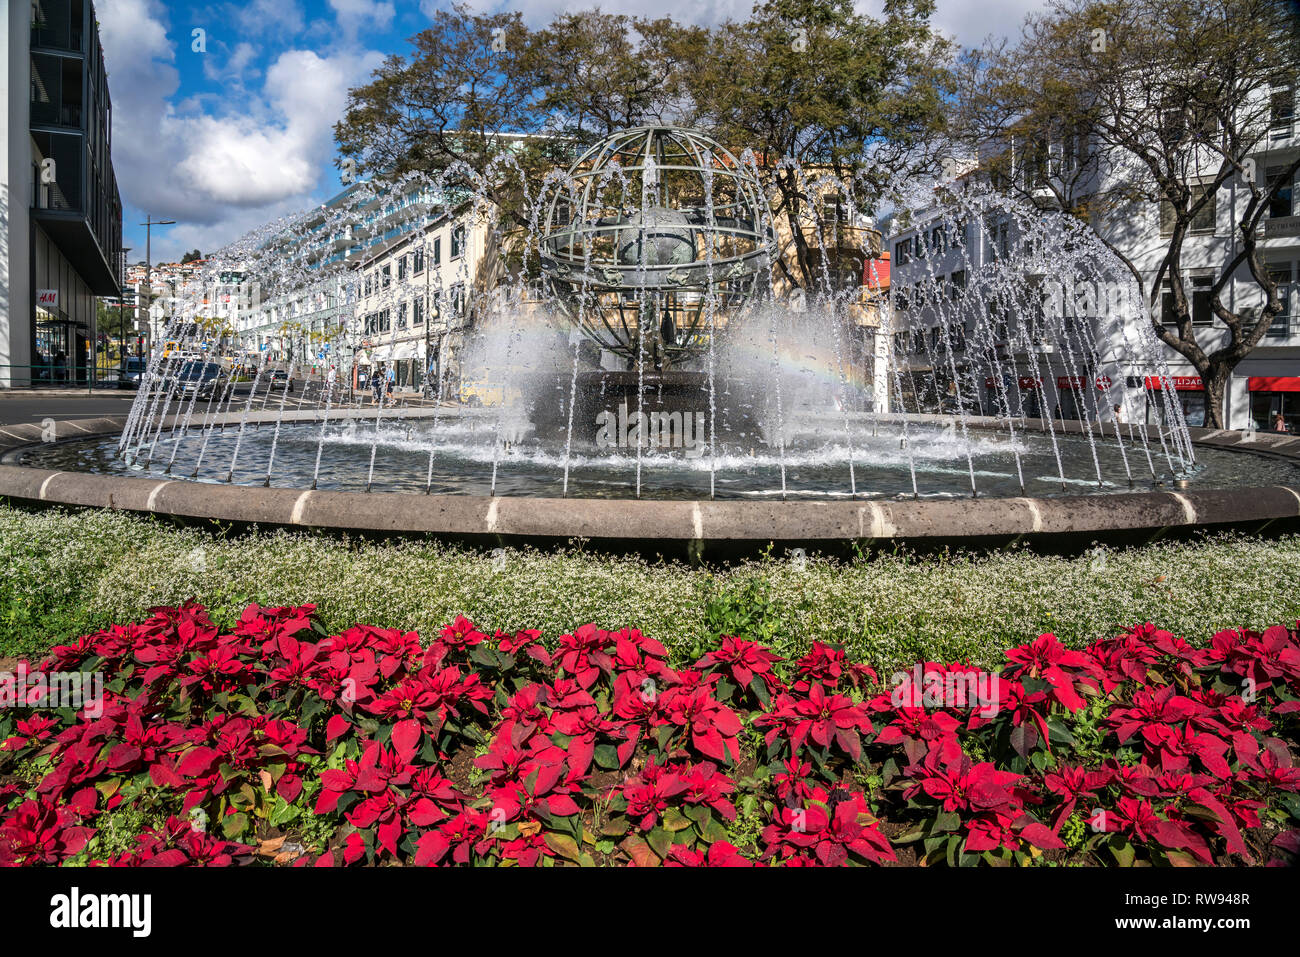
point(148, 224)
point(121, 310)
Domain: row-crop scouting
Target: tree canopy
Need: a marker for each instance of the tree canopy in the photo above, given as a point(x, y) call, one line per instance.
point(1111, 109)
point(807, 80)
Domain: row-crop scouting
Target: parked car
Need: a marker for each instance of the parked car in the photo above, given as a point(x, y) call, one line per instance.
point(131, 371)
point(278, 379)
point(204, 378)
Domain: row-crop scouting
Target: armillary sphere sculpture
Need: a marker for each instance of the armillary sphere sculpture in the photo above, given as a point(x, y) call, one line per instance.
point(653, 240)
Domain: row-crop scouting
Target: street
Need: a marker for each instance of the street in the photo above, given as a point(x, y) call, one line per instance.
point(21, 405)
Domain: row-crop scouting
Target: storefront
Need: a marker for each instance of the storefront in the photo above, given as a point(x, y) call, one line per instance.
point(1271, 396)
point(1073, 403)
point(1189, 391)
point(1017, 396)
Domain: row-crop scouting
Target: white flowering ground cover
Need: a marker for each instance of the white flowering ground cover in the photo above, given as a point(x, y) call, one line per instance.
point(64, 574)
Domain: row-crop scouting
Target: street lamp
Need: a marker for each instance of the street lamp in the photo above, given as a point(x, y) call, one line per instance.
point(121, 310)
point(148, 224)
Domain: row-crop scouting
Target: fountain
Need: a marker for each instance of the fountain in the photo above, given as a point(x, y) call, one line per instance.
point(642, 364)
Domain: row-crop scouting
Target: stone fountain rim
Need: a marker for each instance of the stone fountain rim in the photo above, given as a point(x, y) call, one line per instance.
point(654, 522)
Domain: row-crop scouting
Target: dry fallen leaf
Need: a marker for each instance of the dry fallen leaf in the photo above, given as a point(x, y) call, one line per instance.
point(271, 847)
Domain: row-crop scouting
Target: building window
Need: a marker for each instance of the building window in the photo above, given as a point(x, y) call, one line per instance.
point(833, 209)
point(1202, 223)
point(401, 315)
point(417, 262)
point(417, 312)
point(1281, 203)
point(56, 90)
point(386, 275)
point(437, 251)
point(999, 239)
point(457, 241)
point(938, 239)
point(1281, 326)
point(903, 251)
point(1197, 289)
point(401, 268)
point(1282, 110)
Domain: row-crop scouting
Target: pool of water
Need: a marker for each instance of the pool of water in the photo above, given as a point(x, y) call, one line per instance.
point(869, 461)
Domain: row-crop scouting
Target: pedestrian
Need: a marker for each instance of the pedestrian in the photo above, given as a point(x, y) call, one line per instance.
point(1279, 423)
point(1119, 414)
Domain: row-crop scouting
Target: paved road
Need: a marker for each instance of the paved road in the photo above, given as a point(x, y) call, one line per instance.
point(21, 406)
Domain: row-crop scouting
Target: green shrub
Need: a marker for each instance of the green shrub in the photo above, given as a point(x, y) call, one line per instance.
point(64, 574)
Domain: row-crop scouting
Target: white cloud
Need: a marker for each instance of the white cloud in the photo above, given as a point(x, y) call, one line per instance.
point(220, 165)
point(261, 17)
point(238, 67)
point(240, 160)
point(355, 14)
point(537, 13)
point(966, 20)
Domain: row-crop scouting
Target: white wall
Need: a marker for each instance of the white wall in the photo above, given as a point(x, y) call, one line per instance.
point(15, 194)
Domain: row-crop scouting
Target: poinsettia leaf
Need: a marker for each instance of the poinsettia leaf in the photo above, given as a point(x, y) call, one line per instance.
point(606, 756)
point(759, 687)
point(712, 830)
point(697, 812)
point(1058, 733)
point(1124, 852)
point(616, 826)
point(945, 821)
point(640, 852)
point(564, 845)
point(660, 841)
point(233, 825)
point(675, 820)
point(1023, 738)
point(1042, 836)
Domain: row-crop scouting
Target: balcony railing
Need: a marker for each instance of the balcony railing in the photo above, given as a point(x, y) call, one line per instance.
point(1284, 327)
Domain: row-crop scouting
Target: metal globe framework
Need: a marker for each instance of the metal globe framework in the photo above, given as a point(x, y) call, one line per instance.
point(649, 227)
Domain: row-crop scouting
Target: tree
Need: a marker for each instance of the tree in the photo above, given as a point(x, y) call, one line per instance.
point(816, 82)
point(605, 72)
point(190, 257)
point(866, 94)
point(113, 320)
point(465, 98)
point(1109, 109)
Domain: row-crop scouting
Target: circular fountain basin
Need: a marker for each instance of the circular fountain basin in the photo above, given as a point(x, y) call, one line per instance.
point(1237, 482)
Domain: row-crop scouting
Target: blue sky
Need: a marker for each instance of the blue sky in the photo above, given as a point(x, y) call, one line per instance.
point(230, 128)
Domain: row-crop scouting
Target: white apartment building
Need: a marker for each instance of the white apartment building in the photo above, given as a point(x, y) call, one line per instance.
point(415, 299)
point(60, 212)
point(936, 247)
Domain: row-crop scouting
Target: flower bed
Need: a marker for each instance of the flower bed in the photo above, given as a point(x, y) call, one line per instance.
point(278, 743)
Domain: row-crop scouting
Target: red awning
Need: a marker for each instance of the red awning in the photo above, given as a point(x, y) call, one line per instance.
point(1024, 381)
point(1181, 383)
point(1076, 382)
point(1282, 383)
point(875, 272)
